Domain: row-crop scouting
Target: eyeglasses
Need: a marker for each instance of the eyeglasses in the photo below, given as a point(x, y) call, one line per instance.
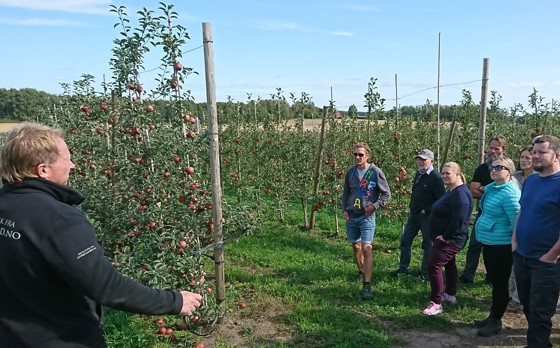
point(497, 168)
point(356, 154)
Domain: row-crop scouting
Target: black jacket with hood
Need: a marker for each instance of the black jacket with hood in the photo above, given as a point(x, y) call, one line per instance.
point(54, 276)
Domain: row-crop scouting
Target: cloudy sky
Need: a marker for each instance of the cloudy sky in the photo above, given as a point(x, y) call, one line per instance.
point(328, 48)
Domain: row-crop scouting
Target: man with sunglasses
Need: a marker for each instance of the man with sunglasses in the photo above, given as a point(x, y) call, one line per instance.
point(427, 188)
point(480, 180)
point(365, 190)
point(536, 243)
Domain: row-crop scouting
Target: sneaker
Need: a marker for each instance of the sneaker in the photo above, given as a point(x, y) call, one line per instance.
point(421, 277)
point(481, 323)
point(433, 309)
point(463, 280)
point(398, 273)
point(449, 298)
point(513, 306)
point(366, 292)
point(492, 327)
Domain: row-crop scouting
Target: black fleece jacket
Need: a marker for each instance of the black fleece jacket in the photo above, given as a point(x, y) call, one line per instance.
point(427, 189)
point(54, 276)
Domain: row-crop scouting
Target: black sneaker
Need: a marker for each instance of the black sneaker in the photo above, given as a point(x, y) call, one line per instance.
point(366, 292)
point(421, 277)
point(481, 323)
point(463, 280)
point(398, 273)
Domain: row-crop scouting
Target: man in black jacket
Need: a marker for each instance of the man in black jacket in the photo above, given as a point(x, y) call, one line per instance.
point(54, 276)
point(427, 188)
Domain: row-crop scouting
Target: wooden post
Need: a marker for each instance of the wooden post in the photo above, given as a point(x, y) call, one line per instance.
point(214, 164)
point(483, 109)
point(438, 160)
point(446, 150)
point(318, 166)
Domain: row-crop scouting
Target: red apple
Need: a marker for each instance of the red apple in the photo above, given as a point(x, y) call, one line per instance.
point(183, 244)
point(189, 170)
point(178, 66)
point(104, 106)
point(139, 88)
point(149, 108)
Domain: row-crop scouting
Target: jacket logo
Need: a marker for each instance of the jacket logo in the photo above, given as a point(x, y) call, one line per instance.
point(9, 233)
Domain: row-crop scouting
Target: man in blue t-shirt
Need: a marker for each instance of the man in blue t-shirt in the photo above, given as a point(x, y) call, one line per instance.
point(536, 243)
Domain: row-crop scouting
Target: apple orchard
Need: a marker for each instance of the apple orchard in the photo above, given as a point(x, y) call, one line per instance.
point(142, 159)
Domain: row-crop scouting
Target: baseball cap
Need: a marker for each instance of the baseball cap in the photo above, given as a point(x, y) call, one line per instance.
point(425, 154)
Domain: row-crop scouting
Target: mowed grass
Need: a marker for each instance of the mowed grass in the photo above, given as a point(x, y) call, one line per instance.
point(306, 284)
point(313, 274)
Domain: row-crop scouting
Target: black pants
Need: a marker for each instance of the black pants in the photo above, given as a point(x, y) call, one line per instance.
point(473, 253)
point(498, 260)
point(538, 285)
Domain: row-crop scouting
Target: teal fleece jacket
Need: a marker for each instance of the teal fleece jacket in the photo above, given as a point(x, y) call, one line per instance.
point(499, 205)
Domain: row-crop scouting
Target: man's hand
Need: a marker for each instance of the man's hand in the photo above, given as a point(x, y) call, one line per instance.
point(548, 258)
point(370, 209)
point(345, 215)
point(191, 301)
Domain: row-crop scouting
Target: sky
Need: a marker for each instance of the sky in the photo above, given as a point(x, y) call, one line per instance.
point(328, 49)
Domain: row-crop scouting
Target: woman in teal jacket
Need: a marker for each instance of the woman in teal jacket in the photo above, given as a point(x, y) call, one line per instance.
point(499, 205)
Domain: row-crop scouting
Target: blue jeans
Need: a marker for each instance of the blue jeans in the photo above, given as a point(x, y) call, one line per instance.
point(415, 223)
point(360, 229)
point(538, 285)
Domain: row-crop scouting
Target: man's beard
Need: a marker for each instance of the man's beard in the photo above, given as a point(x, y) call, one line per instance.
point(538, 168)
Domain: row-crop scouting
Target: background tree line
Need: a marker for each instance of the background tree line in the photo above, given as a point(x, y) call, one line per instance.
point(29, 104)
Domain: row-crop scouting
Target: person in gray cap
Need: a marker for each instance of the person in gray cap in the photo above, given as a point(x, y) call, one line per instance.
point(427, 188)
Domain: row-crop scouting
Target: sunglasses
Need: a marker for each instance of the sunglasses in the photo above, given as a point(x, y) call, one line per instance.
point(497, 168)
point(356, 154)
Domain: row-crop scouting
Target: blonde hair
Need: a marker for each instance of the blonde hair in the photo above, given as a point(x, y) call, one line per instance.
point(27, 146)
point(455, 168)
point(363, 145)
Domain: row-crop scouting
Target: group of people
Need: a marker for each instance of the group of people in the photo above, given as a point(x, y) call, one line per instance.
point(516, 228)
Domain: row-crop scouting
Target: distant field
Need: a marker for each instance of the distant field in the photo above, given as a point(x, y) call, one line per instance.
point(6, 127)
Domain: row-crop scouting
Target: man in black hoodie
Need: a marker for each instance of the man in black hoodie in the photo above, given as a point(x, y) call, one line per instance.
point(54, 276)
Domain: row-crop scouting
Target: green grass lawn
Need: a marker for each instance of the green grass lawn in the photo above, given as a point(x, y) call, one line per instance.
point(307, 283)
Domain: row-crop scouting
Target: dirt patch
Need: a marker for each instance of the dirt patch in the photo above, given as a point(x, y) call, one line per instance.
point(254, 323)
point(513, 335)
point(243, 329)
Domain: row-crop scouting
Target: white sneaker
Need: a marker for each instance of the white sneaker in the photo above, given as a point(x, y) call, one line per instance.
point(449, 298)
point(433, 309)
